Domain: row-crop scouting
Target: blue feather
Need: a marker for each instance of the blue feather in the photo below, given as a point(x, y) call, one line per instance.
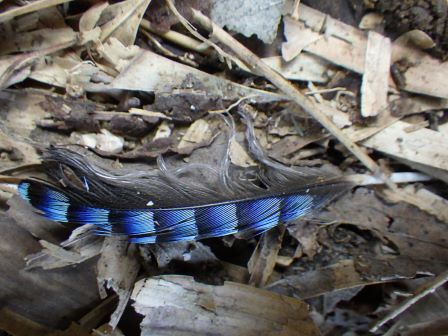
point(147, 225)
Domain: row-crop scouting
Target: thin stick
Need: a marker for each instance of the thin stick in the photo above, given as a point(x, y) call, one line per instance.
point(180, 39)
point(261, 68)
point(226, 56)
point(424, 290)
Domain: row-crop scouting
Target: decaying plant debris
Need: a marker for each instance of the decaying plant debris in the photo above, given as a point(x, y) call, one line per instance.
point(127, 81)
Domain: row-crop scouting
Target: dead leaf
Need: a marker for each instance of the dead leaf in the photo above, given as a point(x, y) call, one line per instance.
point(306, 234)
point(117, 270)
point(418, 38)
point(238, 155)
point(232, 309)
point(304, 67)
point(147, 71)
point(105, 142)
point(90, 17)
point(371, 21)
point(28, 8)
point(38, 40)
point(126, 19)
point(77, 284)
point(297, 38)
point(423, 146)
point(82, 245)
point(263, 260)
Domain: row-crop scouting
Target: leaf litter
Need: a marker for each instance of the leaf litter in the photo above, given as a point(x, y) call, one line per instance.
point(134, 80)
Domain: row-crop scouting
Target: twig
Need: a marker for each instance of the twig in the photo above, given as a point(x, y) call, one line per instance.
point(295, 10)
point(226, 56)
point(180, 39)
point(422, 291)
point(233, 105)
point(164, 51)
point(410, 177)
point(261, 68)
point(335, 89)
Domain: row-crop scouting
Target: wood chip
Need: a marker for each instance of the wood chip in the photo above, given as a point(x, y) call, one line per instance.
point(304, 67)
point(183, 306)
point(345, 46)
point(423, 146)
point(375, 81)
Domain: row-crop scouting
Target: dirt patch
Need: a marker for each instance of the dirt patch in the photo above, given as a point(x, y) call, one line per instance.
point(431, 16)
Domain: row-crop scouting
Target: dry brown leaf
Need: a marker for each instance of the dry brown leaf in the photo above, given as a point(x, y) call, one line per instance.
point(29, 8)
point(70, 291)
point(63, 70)
point(184, 306)
point(106, 142)
point(306, 234)
point(117, 270)
point(147, 71)
point(345, 46)
point(238, 155)
point(421, 198)
point(90, 17)
point(304, 67)
point(423, 146)
point(198, 133)
point(403, 106)
point(38, 226)
point(15, 69)
point(298, 38)
point(418, 38)
point(371, 21)
point(426, 316)
point(126, 20)
point(262, 262)
point(423, 245)
point(38, 40)
point(17, 325)
point(82, 245)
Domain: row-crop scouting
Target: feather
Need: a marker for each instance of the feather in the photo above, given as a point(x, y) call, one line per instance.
point(151, 225)
point(164, 206)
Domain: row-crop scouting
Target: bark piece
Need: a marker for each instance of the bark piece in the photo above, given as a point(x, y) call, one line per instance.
point(177, 305)
point(375, 81)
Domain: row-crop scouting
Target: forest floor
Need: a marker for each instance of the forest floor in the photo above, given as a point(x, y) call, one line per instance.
point(351, 88)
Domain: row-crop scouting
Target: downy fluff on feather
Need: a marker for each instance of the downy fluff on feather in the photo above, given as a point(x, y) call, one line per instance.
point(163, 206)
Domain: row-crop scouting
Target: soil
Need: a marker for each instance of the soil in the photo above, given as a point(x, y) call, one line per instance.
point(430, 16)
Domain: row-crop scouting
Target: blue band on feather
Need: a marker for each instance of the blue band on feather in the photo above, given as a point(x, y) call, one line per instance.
point(23, 190)
point(260, 214)
point(138, 222)
point(295, 206)
point(217, 220)
point(145, 226)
